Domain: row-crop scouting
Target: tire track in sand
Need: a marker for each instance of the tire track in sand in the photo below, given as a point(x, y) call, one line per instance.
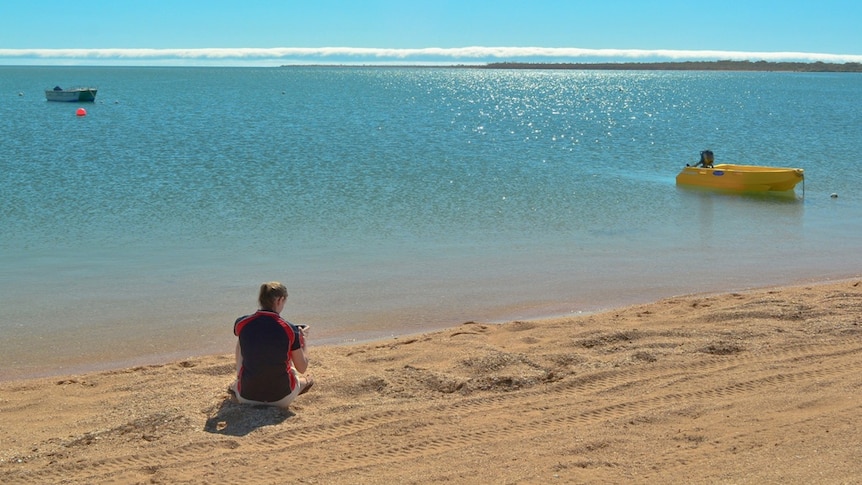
point(404, 439)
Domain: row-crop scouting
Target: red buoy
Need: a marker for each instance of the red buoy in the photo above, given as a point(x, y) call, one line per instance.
point(81, 112)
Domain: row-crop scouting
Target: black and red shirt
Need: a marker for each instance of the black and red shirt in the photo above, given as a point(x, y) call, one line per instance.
point(266, 341)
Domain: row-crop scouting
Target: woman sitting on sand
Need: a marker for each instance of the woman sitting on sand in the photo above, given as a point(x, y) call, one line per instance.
point(270, 353)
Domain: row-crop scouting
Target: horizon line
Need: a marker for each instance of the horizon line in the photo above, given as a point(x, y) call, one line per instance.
point(419, 55)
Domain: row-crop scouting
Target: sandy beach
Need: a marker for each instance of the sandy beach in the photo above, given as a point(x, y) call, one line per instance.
point(762, 386)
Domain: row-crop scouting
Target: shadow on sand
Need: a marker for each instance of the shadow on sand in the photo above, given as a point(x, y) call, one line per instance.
point(234, 419)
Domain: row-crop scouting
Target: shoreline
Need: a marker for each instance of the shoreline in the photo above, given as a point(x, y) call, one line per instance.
point(758, 385)
point(711, 66)
point(93, 363)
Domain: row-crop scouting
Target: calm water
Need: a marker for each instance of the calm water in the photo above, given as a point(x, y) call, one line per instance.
point(396, 200)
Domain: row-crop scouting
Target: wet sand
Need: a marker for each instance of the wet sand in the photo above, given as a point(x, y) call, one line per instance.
point(761, 386)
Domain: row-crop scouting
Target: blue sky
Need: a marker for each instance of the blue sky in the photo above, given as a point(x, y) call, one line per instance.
point(276, 32)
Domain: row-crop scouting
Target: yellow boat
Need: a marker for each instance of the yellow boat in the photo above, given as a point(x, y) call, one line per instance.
point(741, 178)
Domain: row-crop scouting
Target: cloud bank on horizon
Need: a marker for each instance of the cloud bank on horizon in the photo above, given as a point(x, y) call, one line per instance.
point(359, 55)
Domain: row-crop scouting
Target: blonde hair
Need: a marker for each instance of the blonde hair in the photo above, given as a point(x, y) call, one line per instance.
point(269, 292)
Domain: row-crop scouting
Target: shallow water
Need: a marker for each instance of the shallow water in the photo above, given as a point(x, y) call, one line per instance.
point(397, 200)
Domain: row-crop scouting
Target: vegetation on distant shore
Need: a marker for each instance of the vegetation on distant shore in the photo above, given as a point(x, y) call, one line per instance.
point(725, 65)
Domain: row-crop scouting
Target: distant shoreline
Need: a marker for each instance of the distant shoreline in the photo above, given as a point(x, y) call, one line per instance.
point(689, 66)
point(725, 65)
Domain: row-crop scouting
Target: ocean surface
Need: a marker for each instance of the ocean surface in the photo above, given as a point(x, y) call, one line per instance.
point(393, 201)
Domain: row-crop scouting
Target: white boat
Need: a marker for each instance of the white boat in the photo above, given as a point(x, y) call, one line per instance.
point(70, 95)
